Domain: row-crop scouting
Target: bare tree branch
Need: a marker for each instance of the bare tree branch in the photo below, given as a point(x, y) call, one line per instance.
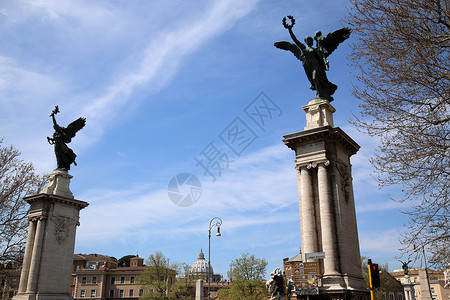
point(403, 63)
point(17, 180)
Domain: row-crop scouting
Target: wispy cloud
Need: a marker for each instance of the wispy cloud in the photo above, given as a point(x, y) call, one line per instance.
point(76, 34)
point(259, 184)
point(163, 56)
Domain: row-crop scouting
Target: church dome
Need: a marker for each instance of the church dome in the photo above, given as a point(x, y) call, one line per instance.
point(200, 266)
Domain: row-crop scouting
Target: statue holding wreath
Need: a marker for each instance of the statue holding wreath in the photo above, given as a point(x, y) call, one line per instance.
point(314, 60)
point(61, 137)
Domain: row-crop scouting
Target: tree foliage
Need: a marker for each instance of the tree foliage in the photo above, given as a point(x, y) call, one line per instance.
point(158, 283)
point(17, 180)
point(247, 276)
point(247, 267)
point(401, 56)
point(124, 261)
point(184, 287)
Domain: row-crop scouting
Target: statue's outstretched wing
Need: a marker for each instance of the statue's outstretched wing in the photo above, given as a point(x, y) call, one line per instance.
point(75, 126)
point(288, 46)
point(333, 39)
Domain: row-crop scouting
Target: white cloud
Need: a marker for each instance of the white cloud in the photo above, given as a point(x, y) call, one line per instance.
point(259, 184)
point(31, 85)
point(163, 55)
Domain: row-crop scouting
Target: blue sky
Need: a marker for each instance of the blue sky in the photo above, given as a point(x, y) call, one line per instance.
point(159, 83)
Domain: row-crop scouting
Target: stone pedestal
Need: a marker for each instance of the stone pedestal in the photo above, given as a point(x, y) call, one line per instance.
point(47, 264)
point(319, 113)
point(424, 284)
point(326, 202)
point(199, 289)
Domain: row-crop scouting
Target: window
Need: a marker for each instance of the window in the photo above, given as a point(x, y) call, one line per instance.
point(83, 280)
point(94, 280)
point(391, 296)
point(113, 280)
point(82, 293)
point(122, 279)
point(131, 293)
point(111, 293)
point(121, 293)
point(93, 293)
point(400, 296)
point(141, 292)
point(132, 279)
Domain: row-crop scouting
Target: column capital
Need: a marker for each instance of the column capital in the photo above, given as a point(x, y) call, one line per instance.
point(37, 218)
point(312, 164)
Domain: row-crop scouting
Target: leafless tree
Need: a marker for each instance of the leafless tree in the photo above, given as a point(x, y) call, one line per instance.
point(401, 58)
point(17, 179)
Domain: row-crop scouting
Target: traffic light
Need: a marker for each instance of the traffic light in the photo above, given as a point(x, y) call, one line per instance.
point(374, 275)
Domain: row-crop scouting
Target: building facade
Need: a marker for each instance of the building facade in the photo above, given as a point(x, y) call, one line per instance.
point(9, 280)
point(99, 277)
point(417, 281)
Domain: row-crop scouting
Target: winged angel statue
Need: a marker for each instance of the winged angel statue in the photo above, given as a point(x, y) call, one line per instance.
point(314, 60)
point(62, 136)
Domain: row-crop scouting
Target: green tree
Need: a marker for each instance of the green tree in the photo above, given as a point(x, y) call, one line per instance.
point(17, 180)
point(157, 277)
point(401, 54)
point(184, 287)
point(124, 261)
point(247, 275)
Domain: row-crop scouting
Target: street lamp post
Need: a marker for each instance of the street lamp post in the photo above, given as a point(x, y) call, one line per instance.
point(217, 224)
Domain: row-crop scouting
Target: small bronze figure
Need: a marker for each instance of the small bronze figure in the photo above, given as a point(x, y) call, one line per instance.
point(62, 136)
point(405, 266)
point(314, 60)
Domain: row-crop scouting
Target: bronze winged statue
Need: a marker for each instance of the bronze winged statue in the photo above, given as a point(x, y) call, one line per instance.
point(314, 60)
point(61, 137)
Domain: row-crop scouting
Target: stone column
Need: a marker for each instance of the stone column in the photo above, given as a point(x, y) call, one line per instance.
point(47, 268)
point(27, 257)
point(36, 257)
point(199, 289)
point(327, 222)
point(309, 230)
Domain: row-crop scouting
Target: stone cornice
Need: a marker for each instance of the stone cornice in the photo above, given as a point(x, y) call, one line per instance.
point(325, 133)
point(46, 197)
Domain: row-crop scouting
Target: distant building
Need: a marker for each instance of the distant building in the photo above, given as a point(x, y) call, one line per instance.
point(200, 269)
point(9, 280)
point(97, 276)
point(396, 289)
point(417, 280)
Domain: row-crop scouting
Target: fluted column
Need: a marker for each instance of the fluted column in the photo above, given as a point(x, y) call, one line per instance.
point(27, 257)
point(36, 256)
point(327, 223)
point(309, 230)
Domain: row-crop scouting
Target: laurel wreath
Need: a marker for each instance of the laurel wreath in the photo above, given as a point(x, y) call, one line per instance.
point(286, 25)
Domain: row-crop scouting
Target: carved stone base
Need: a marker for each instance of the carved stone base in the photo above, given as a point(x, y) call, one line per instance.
point(319, 112)
point(59, 182)
point(338, 295)
point(47, 265)
point(41, 296)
